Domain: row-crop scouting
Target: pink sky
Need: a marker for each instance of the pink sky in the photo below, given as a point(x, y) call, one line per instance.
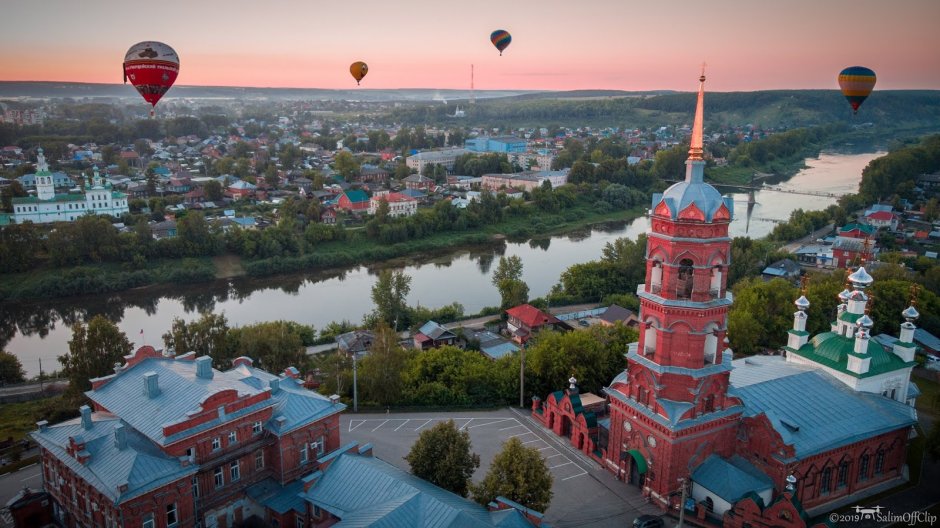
point(557, 44)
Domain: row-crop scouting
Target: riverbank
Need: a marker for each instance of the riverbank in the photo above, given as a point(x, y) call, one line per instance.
point(107, 278)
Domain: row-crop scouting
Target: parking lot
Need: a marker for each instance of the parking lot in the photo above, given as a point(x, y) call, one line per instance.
point(583, 493)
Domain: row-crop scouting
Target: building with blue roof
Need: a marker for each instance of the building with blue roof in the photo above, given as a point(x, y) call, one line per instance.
point(173, 441)
point(354, 489)
point(759, 441)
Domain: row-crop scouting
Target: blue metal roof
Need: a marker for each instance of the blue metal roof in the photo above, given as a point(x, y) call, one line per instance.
point(140, 465)
point(298, 405)
point(365, 491)
point(500, 350)
point(814, 412)
point(281, 499)
point(925, 338)
point(731, 479)
point(181, 392)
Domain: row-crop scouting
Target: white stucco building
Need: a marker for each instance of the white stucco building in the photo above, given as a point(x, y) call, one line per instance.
point(47, 206)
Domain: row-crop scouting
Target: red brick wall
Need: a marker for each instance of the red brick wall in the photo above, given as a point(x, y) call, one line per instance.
point(286, 460)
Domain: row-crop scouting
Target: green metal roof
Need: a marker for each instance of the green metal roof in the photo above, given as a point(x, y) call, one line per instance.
point(832, 350)
point(56, 198)
point(850, 317)
point(640, 461)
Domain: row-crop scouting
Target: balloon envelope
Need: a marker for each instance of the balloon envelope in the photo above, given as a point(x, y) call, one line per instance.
point(856, 83)
point(152, 68)
point(501, 39)
point(358, 70)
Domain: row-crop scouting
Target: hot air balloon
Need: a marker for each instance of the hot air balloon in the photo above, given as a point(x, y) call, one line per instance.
point(856, 83)
point(501, 39)
point(358, 70)
point(152, 68)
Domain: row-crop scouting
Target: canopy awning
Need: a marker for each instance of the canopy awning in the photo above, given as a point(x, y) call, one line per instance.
point(640, 461)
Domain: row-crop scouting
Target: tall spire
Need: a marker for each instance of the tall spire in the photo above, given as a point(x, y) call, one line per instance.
point(695, 148)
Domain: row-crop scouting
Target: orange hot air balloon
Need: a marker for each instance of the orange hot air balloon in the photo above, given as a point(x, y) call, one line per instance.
point(358, 70)
point(856, 82)
point(152, 68)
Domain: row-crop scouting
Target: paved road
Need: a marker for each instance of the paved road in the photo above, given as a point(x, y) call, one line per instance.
point(585, 494)
point(808, 239)
point(12, 483)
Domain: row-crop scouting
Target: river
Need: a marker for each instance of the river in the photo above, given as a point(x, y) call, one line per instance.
point(41, 331)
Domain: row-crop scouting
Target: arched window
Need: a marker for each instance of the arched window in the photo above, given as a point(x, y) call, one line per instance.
point(843, 475)
point(656, 277)
point(684, 282)
point(714, 287)
point(709, 504)
point(879, 462)
point(863, 468)
point(825, 482)
point(649, 341)
point(709, 405)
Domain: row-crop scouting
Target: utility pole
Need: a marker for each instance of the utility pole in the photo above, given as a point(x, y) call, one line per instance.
point(682, 503)
point(40, 374)
point(522, 377)
point(355, 386)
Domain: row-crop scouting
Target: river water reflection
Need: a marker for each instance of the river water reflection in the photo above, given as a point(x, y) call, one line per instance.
point(42, 330)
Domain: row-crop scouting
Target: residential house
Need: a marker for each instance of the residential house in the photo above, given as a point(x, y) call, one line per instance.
point(493, 345)
point(784, 269)
point(882, 219)
point(433, 335)
point(328, 216)
point(372, 174)
point(398, 204)
point(848, 251)
point(240, 189)
point(417, 182)
point(164, 229)
point(353, 200)
point(357, 342)
point(856, 231)
point(526, 320)
point(618, 314)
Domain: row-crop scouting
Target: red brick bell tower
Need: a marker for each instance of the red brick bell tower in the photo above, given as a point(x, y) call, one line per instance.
point(669, 409)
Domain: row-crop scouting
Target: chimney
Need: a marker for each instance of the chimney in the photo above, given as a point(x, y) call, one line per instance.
point(42, 425)
point(86, 417)
point(120, 436)
point(275, 385)
point(151, 389)
point(204, 367)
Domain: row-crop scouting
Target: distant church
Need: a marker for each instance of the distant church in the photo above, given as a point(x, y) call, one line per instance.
point(47, 206)
point(759, 441)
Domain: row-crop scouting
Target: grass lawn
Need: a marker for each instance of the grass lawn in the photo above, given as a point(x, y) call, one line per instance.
point(18, 419)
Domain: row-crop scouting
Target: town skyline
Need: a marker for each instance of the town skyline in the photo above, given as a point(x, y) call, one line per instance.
point(609, 45)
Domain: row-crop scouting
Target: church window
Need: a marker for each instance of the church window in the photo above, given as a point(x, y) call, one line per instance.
point(709, 504)
point(709, 404)
point(826, 482)
point(684, 282)
point(843, 475)
point(879, 462)
point(863, 468)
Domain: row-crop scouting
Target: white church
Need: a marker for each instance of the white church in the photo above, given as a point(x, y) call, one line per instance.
point(47, 206)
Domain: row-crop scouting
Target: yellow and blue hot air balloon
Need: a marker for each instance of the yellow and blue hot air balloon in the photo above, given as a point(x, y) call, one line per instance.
point(856, 83)
point(501, 39)
point(358, 70)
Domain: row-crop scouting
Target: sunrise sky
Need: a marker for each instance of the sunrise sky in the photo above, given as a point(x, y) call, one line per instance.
point(557, 44)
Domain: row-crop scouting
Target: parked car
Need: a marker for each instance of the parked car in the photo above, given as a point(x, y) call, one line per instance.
point(648, 521)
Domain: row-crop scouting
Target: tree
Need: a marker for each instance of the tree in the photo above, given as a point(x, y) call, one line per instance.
point(388, 294)
point(213, 190)
point(11, 370)
point(518, 473)
point(275, 345)
point(346, 165)
point(380, 372)
point(93, 351)
point(508, 280)
point(442, 456)
point(205, 336)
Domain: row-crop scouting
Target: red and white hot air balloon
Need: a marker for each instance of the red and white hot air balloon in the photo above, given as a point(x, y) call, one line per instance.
point(152, 68)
